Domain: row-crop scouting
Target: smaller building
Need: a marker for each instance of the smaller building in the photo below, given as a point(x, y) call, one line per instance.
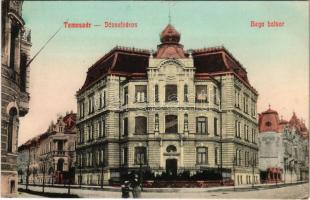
point(49, 157)
point(283, 148)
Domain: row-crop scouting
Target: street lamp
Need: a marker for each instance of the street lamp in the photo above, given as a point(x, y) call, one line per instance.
point(234, 163)
point(253, 165)
point(291, 170)
point(102, 167)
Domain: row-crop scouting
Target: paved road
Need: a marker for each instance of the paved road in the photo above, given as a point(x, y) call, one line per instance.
point(288, 192)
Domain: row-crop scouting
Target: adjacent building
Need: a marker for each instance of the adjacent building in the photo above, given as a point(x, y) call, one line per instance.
point(15, 53)
point(49, 157)
point(166, 111)
point(283, 148)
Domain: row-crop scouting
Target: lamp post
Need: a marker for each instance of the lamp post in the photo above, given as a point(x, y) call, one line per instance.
point(253, 163)
point(28, 170)
point(102, 167)
point(291, 170)
point(234, 163)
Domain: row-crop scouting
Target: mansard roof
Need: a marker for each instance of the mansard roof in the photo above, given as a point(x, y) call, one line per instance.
point(120, 60)
point(133, 62)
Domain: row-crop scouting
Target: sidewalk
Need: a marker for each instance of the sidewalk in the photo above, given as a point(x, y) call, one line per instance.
point(213, 189)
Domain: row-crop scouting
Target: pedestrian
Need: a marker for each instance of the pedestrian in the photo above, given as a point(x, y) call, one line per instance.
point(136, 188)
point(126, 189)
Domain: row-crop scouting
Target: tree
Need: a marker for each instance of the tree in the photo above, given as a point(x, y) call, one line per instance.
point(20, 173)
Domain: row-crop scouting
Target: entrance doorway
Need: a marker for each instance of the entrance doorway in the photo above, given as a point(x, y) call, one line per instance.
point(171, 166)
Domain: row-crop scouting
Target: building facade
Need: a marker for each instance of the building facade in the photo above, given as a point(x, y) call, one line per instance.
point(283, 148)
point(166, 111)
point(14, 89)
point(49, 157)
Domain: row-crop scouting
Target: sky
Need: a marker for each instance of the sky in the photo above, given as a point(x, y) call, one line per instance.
point(276, 59)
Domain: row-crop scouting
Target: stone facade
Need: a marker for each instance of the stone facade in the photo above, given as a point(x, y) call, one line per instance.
point(49, 157)
point(169, 111)
point(283, 148)
point(14, 89)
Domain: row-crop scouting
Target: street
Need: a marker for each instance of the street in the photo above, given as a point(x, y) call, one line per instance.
point(299, 191)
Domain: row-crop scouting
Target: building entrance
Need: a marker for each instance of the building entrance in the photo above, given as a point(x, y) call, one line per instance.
point(171, 166)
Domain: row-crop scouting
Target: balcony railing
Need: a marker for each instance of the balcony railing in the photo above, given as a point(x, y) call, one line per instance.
point(60, 153)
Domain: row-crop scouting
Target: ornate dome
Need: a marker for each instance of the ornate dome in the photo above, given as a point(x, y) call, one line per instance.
point(170, 35)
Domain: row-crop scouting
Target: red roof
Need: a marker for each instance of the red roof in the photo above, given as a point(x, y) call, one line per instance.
point(269, 121)
point(133, 63)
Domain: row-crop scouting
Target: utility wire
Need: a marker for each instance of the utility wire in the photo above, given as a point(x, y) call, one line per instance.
point(44, 46)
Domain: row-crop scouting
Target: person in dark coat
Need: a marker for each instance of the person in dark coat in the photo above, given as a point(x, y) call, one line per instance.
point(136, 188)
point(126, 189)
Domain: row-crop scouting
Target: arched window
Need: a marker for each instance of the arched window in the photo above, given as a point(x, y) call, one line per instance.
point(171, 148)
point(11, 128)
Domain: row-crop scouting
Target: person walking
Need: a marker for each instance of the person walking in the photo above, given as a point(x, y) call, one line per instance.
point(126, 189)
point(136, 188)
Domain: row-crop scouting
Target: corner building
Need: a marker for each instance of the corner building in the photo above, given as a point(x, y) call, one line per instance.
point(167, 111)
point(15, 49)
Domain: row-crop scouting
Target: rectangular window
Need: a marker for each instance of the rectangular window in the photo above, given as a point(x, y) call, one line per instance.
point(125, 156)
point(202, 157)
point(171, 123)
point(215, 126)
point(236, 128)
point(125, 95)
point(171, 93)
point(246, 105)
point(156, 93)
point(239, 129)
point(140, 93)
point(185, 93)
point(14, 36)
point(244, 133)
point(100, 100)
point(215, 95)
point(101, 128)
point(244, 102)
point(239, 161)
point(92, 131)
point(201, 93)
point(237, 157)
point(140, 155)
point(82, 109)
point(101, 157)
point(202, 125)
point(216, 155)
point(91, 107)
point(81, 134)
point(140, 125)
point(125, 127)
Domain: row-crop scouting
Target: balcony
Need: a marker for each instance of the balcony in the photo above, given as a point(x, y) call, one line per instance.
point(24, 103)
point(26, 36)
point(60, 153)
